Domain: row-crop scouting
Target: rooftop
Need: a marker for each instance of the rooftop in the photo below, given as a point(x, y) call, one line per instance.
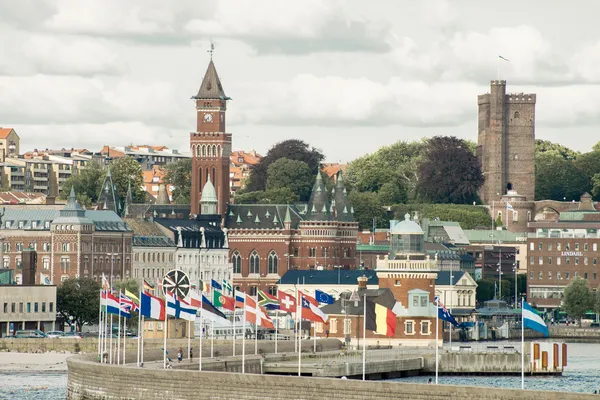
point(489, 236)
point(328, 277)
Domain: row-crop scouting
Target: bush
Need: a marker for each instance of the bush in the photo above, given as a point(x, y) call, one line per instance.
point(468, 216)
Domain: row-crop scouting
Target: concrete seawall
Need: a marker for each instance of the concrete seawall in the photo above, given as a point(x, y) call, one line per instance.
point(89, 380)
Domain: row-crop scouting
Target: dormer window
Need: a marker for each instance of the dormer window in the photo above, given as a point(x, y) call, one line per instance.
point(21, 224)
point(33, 224)
point(47, 225)
point(7, 224)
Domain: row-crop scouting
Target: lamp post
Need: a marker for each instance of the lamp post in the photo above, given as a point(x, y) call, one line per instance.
point(515, 270)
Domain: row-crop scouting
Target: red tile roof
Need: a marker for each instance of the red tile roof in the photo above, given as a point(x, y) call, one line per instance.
point(4, 132)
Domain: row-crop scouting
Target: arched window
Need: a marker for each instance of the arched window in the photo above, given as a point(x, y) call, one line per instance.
point(254, 262)
point(273, 262)
point(517, 115)
point(237, 262)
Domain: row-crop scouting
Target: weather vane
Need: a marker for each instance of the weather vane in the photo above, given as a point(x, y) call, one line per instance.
point(212, 50)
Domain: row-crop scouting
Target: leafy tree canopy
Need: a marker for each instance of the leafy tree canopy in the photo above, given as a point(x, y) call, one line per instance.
point(292, 174)
point(577, 298)
point(129, 284)
point(367, 207)
point(86, 182)
point(272, 196)
point(292, 149)
point(449, 172)
point(596, 186)
point(78, 298)
point(469, 216)
point(557, 178)
point(179, 174)
point(546, 146)
point(125, 170)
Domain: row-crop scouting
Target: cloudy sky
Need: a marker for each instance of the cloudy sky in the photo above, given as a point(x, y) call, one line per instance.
point(346, 76)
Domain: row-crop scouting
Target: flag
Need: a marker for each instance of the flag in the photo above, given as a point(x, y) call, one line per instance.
point(152, 307)
point(227, 286)
point(255, 314)
point(443, 313)
point(310, 309)
point(209, 307)
point(45, 279)
point(503, 58)
point(204, 287)
point(179, 308)
point(509, 207)
point(110, 302)
point(532, 320)
point(148, 286)
point(323, 297)
point(215, 284)
point(286, 302)
point(220, 300)
point(125, 309)
point(380, 319)
point(268, 301)
point(105, 284)
point(132, 296)
point(239, 300)
point(125, 300)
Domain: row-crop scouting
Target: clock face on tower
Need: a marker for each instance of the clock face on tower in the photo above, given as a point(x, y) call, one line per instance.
point(208, 117)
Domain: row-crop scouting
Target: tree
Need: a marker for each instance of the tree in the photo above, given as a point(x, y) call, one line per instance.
point(546, 146)
point(79, 299)
point(486, 290)
point(498, 222)
point(366, 208)
point(391, 193)
point(468, 216)
point(86, 182)
point(577, 298)
point(273, 196)
point(179, 174)
point(449, 172)
point(292, 174)
point(557, 178)
point(292, 149)
point(596, 187)
point(589, 165)
point(131, 285)
point(126, 170)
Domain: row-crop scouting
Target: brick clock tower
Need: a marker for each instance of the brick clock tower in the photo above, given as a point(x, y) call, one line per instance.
point(210, 145)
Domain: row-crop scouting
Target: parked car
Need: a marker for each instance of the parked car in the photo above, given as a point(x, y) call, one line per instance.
point(55, 334)
point(72, 335)
point(30, 334)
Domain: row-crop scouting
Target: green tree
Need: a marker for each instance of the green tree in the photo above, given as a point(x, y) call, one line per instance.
point(366, 208)
point(272, 196)
point(498, 222)
point(126, 170)
point(596, 147)
point(546, 146)
point(129, 284)
point(292, 174)
point(391, 193)
point(449, 172)
point(485, 290)
point(79, 299)
point(557, 178)
point(292, 149)
point(596, 186)
point(589, 165)
point(577, 298)
point(86, 182)
point(179, 174)
point(468, 216)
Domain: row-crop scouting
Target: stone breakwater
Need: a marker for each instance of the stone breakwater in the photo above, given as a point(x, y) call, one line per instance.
point(88, 380)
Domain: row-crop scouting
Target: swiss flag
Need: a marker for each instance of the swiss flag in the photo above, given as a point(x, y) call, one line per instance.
point(286, 302)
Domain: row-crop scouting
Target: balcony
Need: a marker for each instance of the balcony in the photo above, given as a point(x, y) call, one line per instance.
point(42, 170)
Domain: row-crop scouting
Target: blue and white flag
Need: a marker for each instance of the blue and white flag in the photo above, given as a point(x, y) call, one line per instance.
point(532, 320)
point(509, 207)
point(215, 284)
point(323, 297)
point(443, 313)
point(227, 285)
point(179, 308)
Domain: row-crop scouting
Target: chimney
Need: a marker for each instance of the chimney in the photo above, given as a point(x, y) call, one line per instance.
point(29, 266)
point(362, 282)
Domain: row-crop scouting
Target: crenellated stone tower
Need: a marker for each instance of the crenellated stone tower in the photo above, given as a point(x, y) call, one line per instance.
point(506, 142)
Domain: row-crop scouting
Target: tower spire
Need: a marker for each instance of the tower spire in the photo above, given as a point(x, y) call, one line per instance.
point(211, 50)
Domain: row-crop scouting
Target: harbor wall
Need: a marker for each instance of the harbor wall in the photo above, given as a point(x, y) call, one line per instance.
point(88, 380)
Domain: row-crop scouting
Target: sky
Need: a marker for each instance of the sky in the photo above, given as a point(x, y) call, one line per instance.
point(346, 76)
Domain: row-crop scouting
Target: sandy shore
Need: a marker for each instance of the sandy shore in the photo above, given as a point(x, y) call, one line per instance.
point(20, 362)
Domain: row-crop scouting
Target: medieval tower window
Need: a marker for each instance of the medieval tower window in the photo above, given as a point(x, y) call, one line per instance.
point(237, 262)
point(254, 263)
point(517, 115)
point(273, 262)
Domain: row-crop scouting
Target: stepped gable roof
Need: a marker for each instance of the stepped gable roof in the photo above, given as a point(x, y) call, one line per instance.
point(211, 87)
point(270, 216)
point(343, 208)
point(318, 208)
point(328, 277)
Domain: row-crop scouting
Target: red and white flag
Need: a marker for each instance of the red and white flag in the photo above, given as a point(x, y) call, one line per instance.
point(310, 309)
point(286, 302)
point(256, 314)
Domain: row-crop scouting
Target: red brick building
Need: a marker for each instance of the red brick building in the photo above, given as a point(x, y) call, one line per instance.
point(70, 242)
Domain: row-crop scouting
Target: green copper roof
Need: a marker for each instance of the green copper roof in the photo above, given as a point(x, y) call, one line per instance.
point(489, 236)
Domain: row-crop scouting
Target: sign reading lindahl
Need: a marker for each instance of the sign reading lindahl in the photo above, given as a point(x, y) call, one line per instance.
point(572, 254)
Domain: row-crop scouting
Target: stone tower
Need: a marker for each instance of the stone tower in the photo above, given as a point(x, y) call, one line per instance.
point(210, 145)
point(506, 142)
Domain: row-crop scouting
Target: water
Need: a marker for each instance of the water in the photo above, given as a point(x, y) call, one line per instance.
point(581, 375)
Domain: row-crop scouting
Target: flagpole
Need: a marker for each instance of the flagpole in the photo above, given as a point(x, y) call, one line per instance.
point(437, 334)
point(189, 335)
point(139, 329)
point(296, 318)
point(233, 321)
point(124, 338)
point(99, 325)
point(299, 319)
point(314, 337)
point(256, 326)
point(364, 355)
point(212, 337)
point(201, 332)
point(165, 336)
point(243, 335)
point(142, 347)
point(522, 346)
point(276, 324)
point(119, 332)
point(110, 340)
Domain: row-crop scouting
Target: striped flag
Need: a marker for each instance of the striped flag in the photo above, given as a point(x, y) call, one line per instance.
point(380, 319)
point(148, 286)
point(268, 301)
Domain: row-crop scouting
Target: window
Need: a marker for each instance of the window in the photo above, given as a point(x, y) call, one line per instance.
point(585, 275)
point(253, 290)
point(12, 307)
point(273, 290)
point(594, 276)
point(558, 246)
point(549, 260)
point(557, 260)
point(550, 246)
point(585, 261)
point(517, 115)
point(28, 307)
point(594, 261)
point(312, 251)
point(424, 327)
point(46, 263)
point(558, 276)
point(415, 301)
point(254, 263)
point(35, 307)
point(567, 260)
point(549, 275)
point(295, 252)
point(64, 264)
point(46, 246)
point(273, 262)
point(531, 275)
point(531, 246)
point(531, 260)
point(585, 247)
point(19, 262)
point(237, 262)
point(19, 246)
point(576, 260)
point(595, 247)
point(541, 260)
point(540, 275)
point(333, 325)
point(21, 307)
point(66, 246)
point(567, 275)
point(318, 327)
point(567, 247)
point(576, 246)
point(43, 306)
point(408, 328)
point(424, 301)
point(540, 246)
